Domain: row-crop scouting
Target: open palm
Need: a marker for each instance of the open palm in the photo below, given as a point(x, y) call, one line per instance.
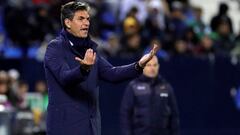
point(147, 57)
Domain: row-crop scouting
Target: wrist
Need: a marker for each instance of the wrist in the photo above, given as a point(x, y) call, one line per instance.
point(138, 67)
point(84, 70)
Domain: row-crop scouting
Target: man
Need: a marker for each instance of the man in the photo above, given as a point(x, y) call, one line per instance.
point(149, 106)
point(73, 70)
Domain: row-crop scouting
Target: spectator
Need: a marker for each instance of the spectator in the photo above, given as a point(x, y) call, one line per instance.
point(13, 75)
point(205, 47)
point(39, 102)
point(199, 27)
point(190, 37)
point(105, 20)
point(4, 89)
point(21, 32)
point(176, 23)
point(131, 24)
point(225, 39)
point(125, 6)
point(22, 91)
point(180, 48)
point(43, 24)
point(236, 50)
point(41, 88)
point(222, 16)
point(155, 21)
point(112, 46)
point(132, 46)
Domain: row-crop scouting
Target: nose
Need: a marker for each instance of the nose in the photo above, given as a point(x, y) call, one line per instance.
point(86, 22)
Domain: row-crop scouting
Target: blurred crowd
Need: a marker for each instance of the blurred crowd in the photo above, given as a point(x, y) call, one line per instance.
point(121, 28)
point(26, 108)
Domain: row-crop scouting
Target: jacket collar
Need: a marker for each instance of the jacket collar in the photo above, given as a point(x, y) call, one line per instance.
point(80, 44)
point(152, 81)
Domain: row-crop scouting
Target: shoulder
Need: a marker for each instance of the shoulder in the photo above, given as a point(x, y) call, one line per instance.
point(134, 82)
point(54, 48)
point(165, 85)
point(55, 42)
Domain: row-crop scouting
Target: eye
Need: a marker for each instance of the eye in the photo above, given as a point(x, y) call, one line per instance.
point(80, 18)
point(84, 18)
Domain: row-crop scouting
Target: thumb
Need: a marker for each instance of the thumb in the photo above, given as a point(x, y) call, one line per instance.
point(79, 60)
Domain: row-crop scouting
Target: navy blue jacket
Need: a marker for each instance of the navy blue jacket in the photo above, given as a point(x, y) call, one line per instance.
point(73, 94)
point(149, 108)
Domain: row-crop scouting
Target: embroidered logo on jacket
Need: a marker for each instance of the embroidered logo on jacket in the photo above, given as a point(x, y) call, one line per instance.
point(163, 94)
point(141, 87)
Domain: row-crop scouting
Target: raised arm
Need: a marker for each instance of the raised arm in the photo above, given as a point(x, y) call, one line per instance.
point(115, 74)
point(110, 73)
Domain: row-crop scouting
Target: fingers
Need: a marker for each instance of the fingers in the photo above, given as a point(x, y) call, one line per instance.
point(78, 59)
point(89, 57)
point(154, 49)
point(94, 56)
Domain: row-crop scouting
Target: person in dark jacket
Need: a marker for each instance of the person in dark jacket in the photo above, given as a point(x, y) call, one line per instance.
point(148, 105)
point(73, 69)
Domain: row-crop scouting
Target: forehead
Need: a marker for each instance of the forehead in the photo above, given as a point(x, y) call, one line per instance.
point(81, 13)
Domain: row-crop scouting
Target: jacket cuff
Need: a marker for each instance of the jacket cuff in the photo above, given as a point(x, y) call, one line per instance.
point(138, 67)
point(84, 72)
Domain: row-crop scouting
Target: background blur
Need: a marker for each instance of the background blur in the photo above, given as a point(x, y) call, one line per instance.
point(199, 56)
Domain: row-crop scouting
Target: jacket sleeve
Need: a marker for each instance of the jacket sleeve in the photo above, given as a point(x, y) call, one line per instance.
point(127, 111)
point(110, 73)
point(174, 119)
point(56, 63)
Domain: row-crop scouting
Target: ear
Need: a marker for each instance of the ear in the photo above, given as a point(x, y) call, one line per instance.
point(67, 23)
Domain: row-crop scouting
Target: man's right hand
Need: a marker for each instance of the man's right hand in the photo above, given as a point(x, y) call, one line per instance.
point(88, 61)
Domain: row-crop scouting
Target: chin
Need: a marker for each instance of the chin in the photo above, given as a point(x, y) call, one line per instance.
point(150, 76)
point(83, 36)
point(153, 76)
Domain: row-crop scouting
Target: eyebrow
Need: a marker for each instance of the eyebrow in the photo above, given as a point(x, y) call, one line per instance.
point(82, 17)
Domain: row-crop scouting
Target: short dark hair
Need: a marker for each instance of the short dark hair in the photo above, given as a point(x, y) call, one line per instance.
point(68, 10)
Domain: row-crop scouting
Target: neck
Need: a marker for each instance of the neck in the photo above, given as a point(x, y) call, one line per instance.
point(77, 42)
point(71, 33)
point(72, 36)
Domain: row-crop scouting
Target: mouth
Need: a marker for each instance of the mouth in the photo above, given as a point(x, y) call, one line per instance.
point(84, 29)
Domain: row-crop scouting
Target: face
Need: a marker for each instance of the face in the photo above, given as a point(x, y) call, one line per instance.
point(3, 87)
point(79, 25)
point(23, 89)
point(134, 42)
point(40, 87)
point(181, 47)
point(224, 29)
point(152, 68)
point(207, 43)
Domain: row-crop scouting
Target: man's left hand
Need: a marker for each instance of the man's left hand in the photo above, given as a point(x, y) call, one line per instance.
point(147, 57)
